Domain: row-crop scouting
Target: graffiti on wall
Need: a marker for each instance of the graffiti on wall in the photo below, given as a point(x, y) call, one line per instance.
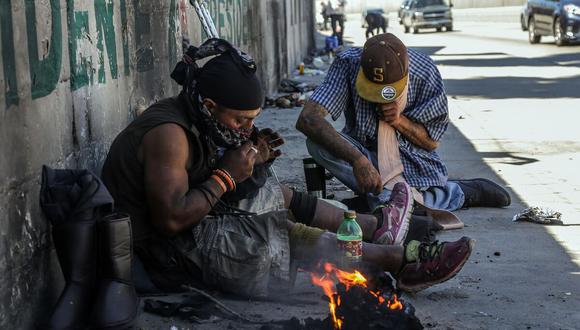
point(231, 19)
point(92, 42)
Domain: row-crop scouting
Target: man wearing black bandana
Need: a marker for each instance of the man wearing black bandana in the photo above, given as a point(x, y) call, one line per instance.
point(193, 173)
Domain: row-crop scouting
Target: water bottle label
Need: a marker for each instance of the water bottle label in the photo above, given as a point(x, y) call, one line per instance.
point(351, 250)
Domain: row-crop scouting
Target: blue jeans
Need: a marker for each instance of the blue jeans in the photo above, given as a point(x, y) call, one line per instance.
point(449, 197)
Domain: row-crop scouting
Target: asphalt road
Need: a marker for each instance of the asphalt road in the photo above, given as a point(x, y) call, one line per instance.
point(514, 109)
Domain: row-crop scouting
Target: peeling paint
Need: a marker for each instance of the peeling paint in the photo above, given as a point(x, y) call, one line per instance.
point(231, 19)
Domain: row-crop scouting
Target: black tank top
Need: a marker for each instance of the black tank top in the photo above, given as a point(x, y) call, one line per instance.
point(123, 173)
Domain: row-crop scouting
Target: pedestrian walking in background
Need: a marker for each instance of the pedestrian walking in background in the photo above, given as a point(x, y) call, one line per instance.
point(324, 11)
point(337, 19)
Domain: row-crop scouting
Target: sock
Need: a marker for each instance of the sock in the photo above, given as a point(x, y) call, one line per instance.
point(303, 207)
point(380, 221)
point(378, 213)
point(303, 239)
point(412, 251)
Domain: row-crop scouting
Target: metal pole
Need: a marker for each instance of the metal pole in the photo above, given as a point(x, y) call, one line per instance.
point(205, 18)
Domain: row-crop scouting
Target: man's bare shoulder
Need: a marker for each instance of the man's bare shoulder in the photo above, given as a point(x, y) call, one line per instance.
point(166, 141)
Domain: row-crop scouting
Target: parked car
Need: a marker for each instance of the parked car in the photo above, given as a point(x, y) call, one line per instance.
point(422, 14)
point(558, 18)
point(524, 16)
point(404, 5)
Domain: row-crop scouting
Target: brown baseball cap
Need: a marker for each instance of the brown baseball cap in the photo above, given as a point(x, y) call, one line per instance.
point(384, 69)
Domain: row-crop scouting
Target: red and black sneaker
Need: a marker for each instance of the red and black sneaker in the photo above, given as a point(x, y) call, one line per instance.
point(438, 262)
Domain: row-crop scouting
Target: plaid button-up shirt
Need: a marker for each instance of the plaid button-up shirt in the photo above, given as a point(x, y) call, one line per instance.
point(426, 104)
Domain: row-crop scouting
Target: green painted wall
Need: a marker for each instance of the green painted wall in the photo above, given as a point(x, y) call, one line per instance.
point(73, 73)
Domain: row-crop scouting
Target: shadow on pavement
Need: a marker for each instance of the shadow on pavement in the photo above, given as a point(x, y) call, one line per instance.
point(508, 158)
point(429, 51)
point(552, 60)
point(514, 87)
point(502, 285)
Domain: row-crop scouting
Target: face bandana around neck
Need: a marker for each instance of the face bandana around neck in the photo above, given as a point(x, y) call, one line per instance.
point(222, 135)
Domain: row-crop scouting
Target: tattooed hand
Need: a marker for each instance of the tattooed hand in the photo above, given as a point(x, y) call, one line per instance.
point(367, 176)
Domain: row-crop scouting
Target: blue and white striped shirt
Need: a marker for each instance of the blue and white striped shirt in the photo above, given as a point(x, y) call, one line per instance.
point(426, 104)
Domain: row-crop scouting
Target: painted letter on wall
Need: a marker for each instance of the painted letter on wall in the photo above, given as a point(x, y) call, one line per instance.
point(106, 30)
point(44, 71)
point(11, 87)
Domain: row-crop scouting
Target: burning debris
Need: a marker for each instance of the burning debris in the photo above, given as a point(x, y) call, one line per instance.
point(361, 299)
point(356, 301)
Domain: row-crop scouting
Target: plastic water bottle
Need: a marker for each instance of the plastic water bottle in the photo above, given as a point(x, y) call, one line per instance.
point(349, 237)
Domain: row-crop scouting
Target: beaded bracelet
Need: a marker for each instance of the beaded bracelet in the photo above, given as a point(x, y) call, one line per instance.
point(226, 177)
point(220, 182)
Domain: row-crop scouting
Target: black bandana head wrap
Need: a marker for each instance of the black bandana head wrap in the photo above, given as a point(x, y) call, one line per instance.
point(229, 79)
point(229, 84)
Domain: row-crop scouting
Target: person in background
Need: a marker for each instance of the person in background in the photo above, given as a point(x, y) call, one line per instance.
point(325, 8)
point(375, 23)
point(337, 19)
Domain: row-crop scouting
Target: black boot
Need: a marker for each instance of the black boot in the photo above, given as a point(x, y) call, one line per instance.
point(76, 250)
point(115, 306)
point(483, 192)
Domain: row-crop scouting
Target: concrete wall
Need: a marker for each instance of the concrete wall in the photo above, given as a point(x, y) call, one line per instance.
point(72, 75)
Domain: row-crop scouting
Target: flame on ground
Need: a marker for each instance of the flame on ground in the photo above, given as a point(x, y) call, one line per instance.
point(333, 275)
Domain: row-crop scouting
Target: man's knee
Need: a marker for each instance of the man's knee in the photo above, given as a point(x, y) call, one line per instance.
point(314, 149)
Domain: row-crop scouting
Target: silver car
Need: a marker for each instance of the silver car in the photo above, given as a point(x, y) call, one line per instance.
point(423, 14)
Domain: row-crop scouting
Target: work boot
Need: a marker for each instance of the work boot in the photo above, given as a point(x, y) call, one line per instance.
point(436, 263)
point(483, 192)
point(395, 215)
point(75, 245)
point(116, 303)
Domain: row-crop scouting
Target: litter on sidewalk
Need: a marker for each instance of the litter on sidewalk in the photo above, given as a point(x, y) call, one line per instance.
point(540, 215)
point(289, 100)
point(291, 86)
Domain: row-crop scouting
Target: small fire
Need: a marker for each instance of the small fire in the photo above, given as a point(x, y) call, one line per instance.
point(327, 285)
point(333, 275)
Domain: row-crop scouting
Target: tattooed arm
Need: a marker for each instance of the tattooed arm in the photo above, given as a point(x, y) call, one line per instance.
point(415, 133)
point(313, 124)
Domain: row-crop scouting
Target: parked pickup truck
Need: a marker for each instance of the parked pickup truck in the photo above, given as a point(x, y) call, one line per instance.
point(423, 14)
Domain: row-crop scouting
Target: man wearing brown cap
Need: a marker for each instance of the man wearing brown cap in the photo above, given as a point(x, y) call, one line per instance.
point(396, 114)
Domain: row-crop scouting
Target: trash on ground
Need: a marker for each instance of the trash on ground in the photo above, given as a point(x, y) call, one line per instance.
point(318, 63)
point(291, 86)
point(310, 72)
point(540, 215)
point(289, 100)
